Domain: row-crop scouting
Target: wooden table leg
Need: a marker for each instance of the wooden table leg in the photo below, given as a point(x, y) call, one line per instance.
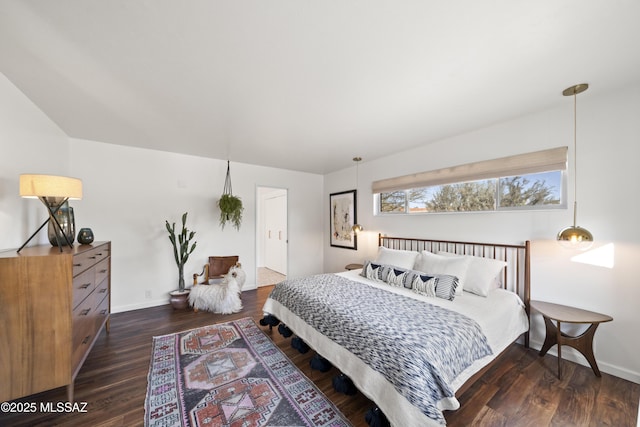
point(70, 392)
point(584, 344)
point(550, 338)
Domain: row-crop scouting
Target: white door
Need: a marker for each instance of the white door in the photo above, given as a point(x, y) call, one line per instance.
point(275, 211)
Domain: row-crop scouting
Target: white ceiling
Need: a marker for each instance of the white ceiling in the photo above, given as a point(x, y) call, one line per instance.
point(307, 85)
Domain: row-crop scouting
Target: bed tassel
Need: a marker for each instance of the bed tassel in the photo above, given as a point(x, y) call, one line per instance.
point(375, 418)
point(319, 363)
point(298, 344)
point(269, 320)
point(343, 384)
point(284, 330)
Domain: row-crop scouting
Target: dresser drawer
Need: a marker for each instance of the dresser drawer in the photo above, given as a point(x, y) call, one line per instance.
point(102, 289)
point(102, 270)
point(87, 259)
point(83, 285)
point(83, 332)
point(81, 346)
point(102, 310)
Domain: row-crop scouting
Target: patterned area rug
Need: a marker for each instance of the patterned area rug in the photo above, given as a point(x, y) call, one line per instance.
point(230, 374)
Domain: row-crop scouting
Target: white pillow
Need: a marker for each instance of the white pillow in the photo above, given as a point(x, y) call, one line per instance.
point(482, 273)
point(429, 262)
point(396, 257)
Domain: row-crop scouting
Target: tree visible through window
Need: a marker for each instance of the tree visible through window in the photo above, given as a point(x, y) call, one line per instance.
point(530, 190)
point(515, 192)
point(393, 202)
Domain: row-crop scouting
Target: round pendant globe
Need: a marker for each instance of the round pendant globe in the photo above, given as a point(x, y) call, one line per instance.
point(575, 237)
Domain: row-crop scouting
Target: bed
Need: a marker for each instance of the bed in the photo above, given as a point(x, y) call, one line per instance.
point(412, 340)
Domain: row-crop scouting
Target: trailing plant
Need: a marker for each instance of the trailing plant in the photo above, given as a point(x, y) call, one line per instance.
point(230, 210)
point(181, 249)
point(230, 206)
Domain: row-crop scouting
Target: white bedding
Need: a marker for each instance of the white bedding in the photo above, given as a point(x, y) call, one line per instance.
point(500, 315)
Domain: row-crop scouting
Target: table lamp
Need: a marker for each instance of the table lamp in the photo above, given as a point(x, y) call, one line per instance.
point(53, 191)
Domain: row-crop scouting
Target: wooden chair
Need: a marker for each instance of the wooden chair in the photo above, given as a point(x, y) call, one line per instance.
point(216, 268)
point(220, 290)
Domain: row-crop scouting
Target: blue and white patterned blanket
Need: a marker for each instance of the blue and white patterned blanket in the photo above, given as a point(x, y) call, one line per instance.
point(418, 347)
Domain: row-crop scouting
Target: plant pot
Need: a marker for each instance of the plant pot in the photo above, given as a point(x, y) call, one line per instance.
point(179, 299)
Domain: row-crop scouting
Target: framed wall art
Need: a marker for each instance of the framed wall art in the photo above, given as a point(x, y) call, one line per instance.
point(343, 214)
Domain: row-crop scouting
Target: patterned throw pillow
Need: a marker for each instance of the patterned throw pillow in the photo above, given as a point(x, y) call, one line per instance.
point(424, 285)
point(373, 271)
point(431, 285)
point(431, 263)
point(446, 286)
point(399, 278)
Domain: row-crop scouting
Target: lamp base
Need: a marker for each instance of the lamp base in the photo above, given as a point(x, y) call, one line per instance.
point(65, 218)
point(53, 208)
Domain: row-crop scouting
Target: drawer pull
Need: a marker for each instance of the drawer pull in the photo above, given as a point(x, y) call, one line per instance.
point(103, 271)
point(102, 291)
point(103, 312)
point(85, 286)
point(85, 312)
point(86, 339)
point(99, 254)
point(77, 265)
point(92, 257)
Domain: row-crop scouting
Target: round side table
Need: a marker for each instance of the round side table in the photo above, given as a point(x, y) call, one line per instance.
point(565, 314)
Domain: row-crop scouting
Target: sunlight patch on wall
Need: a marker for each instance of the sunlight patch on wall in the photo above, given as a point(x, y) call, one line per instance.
point(600, 257)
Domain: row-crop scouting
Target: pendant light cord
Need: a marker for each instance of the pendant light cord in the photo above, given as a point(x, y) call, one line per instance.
point(575, 158)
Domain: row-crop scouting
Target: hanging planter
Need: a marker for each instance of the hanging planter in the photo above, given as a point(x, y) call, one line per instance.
point(230, 206)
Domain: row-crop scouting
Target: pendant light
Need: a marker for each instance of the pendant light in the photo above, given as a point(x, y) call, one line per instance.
point(357, 227)
point(575, 237)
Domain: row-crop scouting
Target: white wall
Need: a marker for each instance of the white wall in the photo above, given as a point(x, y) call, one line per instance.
point(608, 153)
point(29, 143)
point(129, 192)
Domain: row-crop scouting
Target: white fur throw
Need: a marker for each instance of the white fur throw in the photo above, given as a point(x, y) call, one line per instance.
point(237, 272)
point(222, 297)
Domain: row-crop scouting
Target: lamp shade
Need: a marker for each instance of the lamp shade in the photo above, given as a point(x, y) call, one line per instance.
point(34, 186)
point(575, 237)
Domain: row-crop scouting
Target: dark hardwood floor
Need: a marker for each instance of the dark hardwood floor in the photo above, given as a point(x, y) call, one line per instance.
point(522, 390)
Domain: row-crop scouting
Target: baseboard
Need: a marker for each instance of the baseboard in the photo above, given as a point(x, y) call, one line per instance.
point(572, 355)
point(140, 305)
point(157, 302)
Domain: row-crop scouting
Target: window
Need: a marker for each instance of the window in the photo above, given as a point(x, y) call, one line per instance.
point(499, 186)
point(394, 202)
point(539, 189)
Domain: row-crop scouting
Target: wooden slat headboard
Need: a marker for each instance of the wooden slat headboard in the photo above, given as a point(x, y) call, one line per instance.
point(516, 276)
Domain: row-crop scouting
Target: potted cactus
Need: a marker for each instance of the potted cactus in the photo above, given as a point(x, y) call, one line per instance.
point(181, 252)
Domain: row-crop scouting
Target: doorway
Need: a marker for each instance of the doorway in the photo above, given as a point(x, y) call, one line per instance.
point(272, 237)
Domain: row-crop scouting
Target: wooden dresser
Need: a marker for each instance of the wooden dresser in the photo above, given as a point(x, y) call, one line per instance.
point(53, 306)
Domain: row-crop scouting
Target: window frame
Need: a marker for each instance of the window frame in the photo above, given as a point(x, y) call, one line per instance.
point(497, 198)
